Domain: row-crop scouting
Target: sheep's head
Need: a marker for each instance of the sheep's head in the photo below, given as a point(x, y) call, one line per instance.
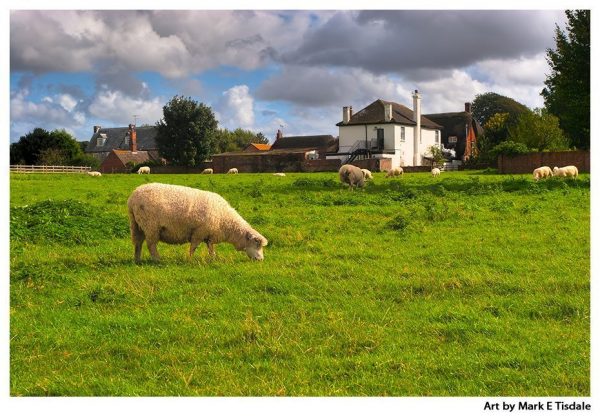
point(555, 169)
point(254, 245)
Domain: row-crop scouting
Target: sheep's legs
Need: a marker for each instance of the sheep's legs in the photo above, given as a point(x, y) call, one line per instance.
point(193, 246)
point(138, 250)
point(151, 243)
point(211, 248)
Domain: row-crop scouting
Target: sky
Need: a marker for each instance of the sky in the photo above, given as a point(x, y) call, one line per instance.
point(265, 70)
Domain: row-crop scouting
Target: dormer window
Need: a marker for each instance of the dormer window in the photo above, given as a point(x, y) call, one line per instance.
point(101, 139)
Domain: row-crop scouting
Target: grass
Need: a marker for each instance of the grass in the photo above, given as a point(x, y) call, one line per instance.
point(464, 285)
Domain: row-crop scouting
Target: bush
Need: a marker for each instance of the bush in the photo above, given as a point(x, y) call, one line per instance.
point(509, 148)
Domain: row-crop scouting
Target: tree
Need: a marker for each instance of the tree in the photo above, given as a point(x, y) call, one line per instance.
point(437, 155)
point(538, 130)
point(486, 105)
point(238, 139)
point(496, 128)
point(35, 147)
point(186, 132)
point(567, 92)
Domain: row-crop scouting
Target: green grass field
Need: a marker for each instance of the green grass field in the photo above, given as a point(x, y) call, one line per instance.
point(471, 284)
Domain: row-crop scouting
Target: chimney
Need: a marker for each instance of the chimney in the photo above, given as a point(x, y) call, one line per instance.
point(417, 129)
point(279, 134)
point(132, 139)
point(467, 107)
point(350, 112)
point(388, 112)
point(97, 129)
point(346, 114)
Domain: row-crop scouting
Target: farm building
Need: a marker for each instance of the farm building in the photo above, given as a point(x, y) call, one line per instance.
point(121, 161)
point(387, 130)
point(460, 131)
point(293, 153)
point(131, 138)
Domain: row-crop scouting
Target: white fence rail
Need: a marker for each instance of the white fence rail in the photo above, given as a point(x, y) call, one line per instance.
point(49, 169)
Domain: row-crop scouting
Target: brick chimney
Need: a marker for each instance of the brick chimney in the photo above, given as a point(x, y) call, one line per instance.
point(279, 134)
point(97, 129)
point(132, 139)
point(467, 107)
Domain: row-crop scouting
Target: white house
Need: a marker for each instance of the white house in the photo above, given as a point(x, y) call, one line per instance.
point(385, 129)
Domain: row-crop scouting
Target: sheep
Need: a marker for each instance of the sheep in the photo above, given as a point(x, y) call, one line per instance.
point(395, 172)
point(177, 215)
point(94, 173)
point(279, 174)
point(233, 171)
point(542, 172)
point(367, 173)
point(208, 171)
point(435, 172)
point(352, 175)
point(143, 169)
point(567, 171)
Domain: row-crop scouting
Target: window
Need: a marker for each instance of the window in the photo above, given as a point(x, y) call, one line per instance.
point(101, 139)
point(452, 139)
point(402, 134)
point(437, 137)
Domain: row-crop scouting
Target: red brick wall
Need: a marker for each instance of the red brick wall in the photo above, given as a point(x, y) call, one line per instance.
point(530, 161)
point(321, 165)
point(374, 165)
point(112, 164)
point(181, 169)
point(289, 162)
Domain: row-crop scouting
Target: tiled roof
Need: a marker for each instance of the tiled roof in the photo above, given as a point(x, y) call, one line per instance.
point(126, 156)
point(310, 142)
point(116, 139)
point(454, 123)
point(258, 146)
point(374, 113)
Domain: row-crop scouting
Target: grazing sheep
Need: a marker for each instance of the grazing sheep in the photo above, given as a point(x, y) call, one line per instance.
point(395, 172)
point(567, 171)
point(233, 171)
point(368, 174)
point(208, 171)
point(94, 173)
point(435, 172)
point(177, 215)
point(352, 175)
point(279, 174)
point(143, 169)
point(542, 172)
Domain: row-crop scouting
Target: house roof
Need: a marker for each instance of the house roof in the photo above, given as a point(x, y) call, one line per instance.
point(374, 113)
point(454, 123)
point(115, 139)
point(126, 156)
point(257, 146)
point(267, 153)
point(307, 142)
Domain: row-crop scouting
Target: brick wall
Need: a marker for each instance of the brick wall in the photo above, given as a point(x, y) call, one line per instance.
point(112, 164)
point(530, 161)
point(374, 165)
point(321, 165)
point(181, 169)
point(279, 162)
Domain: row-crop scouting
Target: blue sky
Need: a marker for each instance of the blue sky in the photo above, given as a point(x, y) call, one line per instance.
point(260, 70)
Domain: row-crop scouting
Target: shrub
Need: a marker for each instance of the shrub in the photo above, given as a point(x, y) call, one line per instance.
point(509, 148)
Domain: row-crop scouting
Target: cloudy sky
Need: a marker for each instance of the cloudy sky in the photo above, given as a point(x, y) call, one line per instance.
point(260, 70)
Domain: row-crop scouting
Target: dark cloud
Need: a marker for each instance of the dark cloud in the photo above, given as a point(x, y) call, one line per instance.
point(384, 41)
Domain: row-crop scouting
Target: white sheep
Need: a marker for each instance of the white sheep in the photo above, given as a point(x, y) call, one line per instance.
point(352, 175)
point(542, 172)
point(94, 173)
point(367, 173)
point(143, 169)
point(279, 174)
point(567, 171)
point(207, 171)
point(394, 172)
point(233, 171)
point(435, 172)
point(177, 215)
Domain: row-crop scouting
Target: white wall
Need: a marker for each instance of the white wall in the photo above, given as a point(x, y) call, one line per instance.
point(349, 135)
point(427, 140)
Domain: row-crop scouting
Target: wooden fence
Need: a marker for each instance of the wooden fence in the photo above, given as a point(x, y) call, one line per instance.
point(49, 169)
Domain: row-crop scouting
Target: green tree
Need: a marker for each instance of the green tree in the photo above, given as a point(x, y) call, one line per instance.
point(238, 139)
point(567, 91)
point(186, 132)
point(487, 105)
point(437, 155)
point(538, 130)
point(261, 138)
point(496, 128)
point(40, 146)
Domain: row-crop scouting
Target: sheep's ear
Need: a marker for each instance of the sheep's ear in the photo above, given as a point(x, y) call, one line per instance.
point(249, 236)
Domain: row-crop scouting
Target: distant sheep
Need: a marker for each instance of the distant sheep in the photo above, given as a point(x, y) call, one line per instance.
point(567, 171)
point(279, 174)
point(352, 175)
point(435, 172)
point(143, 169)
point(542, 172)
point(395, 172)
point(233, 171)
point(367, 173)
point(208, 171)
point(94, 173)
point(177, 215)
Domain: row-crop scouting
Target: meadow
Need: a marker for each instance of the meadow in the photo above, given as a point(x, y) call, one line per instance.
point(470, 284)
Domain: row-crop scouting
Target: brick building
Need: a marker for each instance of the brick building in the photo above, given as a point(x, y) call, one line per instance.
point(117, 159)
point(104, 140)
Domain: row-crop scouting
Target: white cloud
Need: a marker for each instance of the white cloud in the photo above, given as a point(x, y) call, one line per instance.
point(67, 102)
point(119, 109)
point(236, 109)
